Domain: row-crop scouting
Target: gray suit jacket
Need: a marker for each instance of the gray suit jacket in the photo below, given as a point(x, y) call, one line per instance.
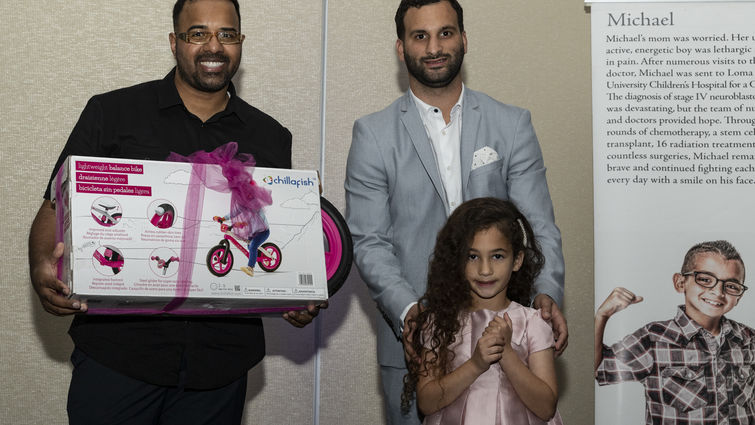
point(396, 204)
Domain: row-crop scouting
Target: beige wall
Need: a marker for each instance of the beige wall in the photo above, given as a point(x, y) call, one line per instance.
point(57, 54)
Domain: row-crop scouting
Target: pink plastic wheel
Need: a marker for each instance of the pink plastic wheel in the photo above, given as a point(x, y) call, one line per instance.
point(215, 262)
point(272, 260)
point(338, 246)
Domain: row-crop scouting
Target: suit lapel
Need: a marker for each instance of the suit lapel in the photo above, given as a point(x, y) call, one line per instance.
point(470, 123)
point(422, 145)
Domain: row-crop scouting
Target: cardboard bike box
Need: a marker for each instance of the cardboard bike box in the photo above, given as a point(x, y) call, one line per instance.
point(147, 237)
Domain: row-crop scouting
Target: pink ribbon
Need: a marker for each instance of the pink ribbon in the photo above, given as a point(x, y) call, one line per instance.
point(247, 199)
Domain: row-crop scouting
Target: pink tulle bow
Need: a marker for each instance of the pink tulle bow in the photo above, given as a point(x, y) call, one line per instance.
point(235, 176)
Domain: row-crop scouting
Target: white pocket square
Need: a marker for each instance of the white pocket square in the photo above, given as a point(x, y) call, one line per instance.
point(484, 156)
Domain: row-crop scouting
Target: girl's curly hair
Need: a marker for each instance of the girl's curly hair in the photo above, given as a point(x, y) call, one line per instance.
point(448, 294)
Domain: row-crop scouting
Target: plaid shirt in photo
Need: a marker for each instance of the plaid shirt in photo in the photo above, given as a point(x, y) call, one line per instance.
point(691, 377)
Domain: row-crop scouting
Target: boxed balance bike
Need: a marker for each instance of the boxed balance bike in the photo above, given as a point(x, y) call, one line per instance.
point(152, 237)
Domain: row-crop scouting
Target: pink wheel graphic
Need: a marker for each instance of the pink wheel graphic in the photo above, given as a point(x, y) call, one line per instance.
point(338, 246)
point(272, 260)
point(220, 260)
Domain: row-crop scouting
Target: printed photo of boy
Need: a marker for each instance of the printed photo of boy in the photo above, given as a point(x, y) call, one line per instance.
point(696, 368)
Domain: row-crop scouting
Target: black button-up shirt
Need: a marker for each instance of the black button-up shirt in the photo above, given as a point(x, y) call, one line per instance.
point(148, 121)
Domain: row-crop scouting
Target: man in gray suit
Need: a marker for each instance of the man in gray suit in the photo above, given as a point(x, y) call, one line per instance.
point(412, 163)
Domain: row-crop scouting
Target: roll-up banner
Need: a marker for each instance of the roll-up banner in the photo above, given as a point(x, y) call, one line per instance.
point(674, 165)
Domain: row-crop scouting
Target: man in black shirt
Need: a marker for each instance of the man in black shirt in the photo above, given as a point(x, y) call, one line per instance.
point(138, 369)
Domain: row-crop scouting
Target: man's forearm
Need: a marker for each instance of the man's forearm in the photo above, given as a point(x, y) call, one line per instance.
point(527, 187)
point(386, 285)
point(369, 218)
point(42, 235)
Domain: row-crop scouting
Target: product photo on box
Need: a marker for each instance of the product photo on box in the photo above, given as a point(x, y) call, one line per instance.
point(156, 237)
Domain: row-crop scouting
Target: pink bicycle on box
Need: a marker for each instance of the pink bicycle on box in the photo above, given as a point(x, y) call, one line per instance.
point(220, 257)
point(336, 239)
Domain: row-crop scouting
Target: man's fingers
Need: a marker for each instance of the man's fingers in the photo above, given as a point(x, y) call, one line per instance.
point(60, 305)
point(560, 330)
point(57, 287)
point(292, 320)
point(562, 337)
point(409, 354)
point(53, 295)
point(314, 309)
point(298, 318)
point(409, 350)
point(545, 304)
point(561, 346)
point(58, 311)
point(301, 318)
point(409, 327)
point(57, 252)
point(562, 340)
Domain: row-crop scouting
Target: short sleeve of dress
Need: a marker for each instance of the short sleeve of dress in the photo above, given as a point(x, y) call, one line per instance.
point(539, 333)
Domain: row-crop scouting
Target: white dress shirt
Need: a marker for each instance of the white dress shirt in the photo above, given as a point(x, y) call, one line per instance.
point(445, 140)
point(446, 143)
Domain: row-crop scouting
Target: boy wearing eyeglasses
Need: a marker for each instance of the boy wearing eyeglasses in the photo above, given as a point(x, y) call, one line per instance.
point(697, 368)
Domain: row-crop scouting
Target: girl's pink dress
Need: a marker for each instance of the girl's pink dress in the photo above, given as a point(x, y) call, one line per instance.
point(491, 399)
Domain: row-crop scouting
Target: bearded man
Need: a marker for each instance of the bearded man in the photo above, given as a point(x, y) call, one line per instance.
point(159, 369)
point(414, 162)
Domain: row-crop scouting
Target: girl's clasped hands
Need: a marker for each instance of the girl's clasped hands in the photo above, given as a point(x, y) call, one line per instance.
point(495, 342)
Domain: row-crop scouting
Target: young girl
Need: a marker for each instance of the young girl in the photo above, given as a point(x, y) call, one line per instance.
point(484, 358)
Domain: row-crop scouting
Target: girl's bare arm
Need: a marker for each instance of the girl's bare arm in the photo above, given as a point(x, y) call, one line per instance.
point(435, 392)
point(536, 386)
